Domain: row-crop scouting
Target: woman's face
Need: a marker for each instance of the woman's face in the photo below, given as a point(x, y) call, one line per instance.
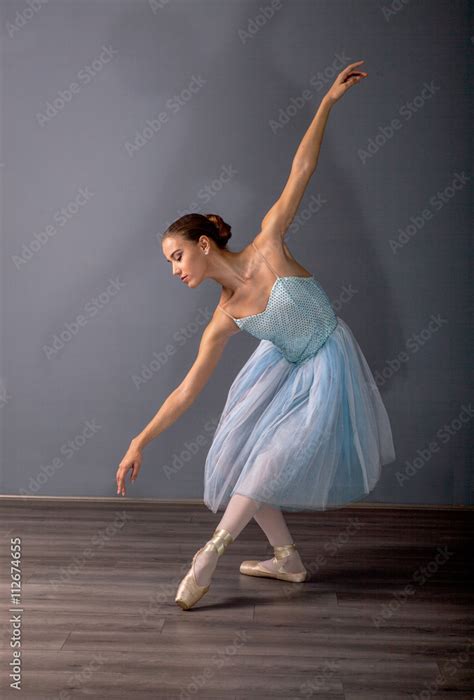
point(185, 258)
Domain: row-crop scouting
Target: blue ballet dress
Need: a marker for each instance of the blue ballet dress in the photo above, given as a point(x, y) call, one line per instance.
point(304, 426)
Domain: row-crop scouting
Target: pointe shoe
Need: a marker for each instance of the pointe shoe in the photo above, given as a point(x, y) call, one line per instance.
point(254, 568)
point(189, 591)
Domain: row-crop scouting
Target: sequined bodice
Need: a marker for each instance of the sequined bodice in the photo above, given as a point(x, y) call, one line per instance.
point(298, 318)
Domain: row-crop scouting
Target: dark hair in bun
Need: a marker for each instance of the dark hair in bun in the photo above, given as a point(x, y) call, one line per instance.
point(192, 226)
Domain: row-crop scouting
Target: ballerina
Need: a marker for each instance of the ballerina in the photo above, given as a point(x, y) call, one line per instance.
point(304, 426)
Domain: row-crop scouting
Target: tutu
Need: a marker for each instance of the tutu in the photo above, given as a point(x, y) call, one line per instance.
point(304, 426)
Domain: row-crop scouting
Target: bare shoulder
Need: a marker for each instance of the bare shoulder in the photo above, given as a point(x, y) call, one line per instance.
point(222, 326)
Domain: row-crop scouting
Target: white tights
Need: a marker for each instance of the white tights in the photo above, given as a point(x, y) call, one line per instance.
point(240, 510)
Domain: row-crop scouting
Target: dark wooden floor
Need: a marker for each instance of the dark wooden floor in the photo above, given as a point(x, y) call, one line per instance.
point(388, 612)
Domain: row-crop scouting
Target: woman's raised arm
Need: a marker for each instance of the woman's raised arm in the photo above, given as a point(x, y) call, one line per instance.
point(279, 217)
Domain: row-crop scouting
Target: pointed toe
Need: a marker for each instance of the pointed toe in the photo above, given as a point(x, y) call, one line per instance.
point(252, 567)
point(189, 592)
point(249, 567)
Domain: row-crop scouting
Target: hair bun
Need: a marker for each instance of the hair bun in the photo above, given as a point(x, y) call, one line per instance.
point(223, 229)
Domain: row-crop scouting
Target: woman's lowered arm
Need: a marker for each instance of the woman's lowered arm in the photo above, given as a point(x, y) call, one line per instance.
point(211, 347)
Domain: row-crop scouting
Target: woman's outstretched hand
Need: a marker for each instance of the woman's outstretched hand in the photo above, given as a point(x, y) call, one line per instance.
point(344, 81)
point(131, 460)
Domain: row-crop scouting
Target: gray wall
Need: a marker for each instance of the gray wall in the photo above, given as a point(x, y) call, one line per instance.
point(82, 212)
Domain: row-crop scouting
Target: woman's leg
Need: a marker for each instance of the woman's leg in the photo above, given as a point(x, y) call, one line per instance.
point(240, 510)
point(273, 524)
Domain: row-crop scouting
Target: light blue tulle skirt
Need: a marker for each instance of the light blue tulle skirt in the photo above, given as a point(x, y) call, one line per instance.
point(300, 437)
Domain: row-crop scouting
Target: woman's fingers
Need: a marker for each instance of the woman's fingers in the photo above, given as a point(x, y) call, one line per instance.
point(354, 78)
point(348, 74)
point(121, 482)
point(122, 474)
point(349, 68)
point(345, 80)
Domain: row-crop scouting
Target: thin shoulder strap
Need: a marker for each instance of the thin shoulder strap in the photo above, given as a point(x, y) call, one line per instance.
point(268, 264)
point(226, 312)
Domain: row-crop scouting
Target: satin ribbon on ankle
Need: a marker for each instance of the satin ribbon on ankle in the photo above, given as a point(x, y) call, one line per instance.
point(284, 550)
point(219, 541)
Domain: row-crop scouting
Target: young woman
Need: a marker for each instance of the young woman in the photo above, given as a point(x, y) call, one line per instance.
point(304, 426)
